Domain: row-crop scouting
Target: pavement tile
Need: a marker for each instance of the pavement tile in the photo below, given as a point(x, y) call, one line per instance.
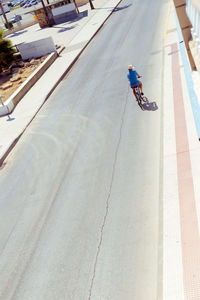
point(181, 177)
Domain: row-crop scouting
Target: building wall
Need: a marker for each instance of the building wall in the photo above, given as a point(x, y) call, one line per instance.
point(186, 26)
point(193, 13)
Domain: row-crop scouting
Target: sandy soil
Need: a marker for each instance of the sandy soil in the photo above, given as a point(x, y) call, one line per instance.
point(20, 74)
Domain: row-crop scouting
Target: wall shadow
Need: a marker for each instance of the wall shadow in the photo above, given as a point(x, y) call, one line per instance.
point(80, 16)
point(63, 29)
point(116, 9)
point(17, 33)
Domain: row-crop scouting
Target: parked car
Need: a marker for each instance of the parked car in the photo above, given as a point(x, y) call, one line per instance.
point(27, 5)
point(23, 3)
point(15, 3)
point(16, 18)
point(33, 2)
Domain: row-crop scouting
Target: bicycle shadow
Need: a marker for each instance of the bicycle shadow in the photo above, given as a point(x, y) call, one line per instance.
point(149, 106)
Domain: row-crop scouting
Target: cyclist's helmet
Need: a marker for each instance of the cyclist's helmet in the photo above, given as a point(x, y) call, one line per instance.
point(130, 67)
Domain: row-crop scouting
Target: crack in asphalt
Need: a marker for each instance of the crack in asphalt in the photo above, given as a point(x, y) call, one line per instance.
point(108, 198)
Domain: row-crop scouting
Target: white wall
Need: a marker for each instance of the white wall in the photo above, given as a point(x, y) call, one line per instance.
point(194, 16)
point(36, 48)
point(63, 9)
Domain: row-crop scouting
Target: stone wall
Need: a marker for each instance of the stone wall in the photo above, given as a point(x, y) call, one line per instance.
point(81, 2)
point(42, 18)
point(36, 48)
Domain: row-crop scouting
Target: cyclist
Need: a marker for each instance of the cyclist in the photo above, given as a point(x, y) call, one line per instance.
point(133, 79)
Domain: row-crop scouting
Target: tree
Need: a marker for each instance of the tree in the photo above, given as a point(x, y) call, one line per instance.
point(6, 52)
point(10, 25)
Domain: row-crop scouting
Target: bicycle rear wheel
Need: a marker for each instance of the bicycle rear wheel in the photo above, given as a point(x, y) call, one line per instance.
point(139, 100)
point(145, 99)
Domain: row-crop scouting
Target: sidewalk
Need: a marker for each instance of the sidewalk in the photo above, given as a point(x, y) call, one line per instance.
point(181, 173)
point(74, 35)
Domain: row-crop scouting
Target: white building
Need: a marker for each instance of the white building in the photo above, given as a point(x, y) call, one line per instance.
point(193, 12)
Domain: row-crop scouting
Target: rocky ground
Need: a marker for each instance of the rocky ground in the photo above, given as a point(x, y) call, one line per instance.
point(18, 72)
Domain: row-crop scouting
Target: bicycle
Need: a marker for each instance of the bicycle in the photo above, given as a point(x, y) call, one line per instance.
point(141, 99)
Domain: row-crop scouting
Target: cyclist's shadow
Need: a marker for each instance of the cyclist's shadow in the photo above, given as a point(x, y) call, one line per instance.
point(149, 106)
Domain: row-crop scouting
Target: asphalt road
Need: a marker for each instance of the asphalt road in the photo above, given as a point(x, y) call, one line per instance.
point(81, 193)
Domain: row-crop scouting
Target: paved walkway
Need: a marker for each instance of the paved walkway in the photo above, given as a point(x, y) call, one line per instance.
point(181, 207)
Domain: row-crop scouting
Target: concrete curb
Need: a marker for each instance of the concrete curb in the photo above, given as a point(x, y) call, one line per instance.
point(12, 101)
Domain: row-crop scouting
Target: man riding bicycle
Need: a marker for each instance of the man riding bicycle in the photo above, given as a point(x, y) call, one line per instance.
point(133, 79)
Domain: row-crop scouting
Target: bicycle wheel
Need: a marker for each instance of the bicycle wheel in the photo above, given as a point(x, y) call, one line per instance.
point(139, 100)
point(145, 99)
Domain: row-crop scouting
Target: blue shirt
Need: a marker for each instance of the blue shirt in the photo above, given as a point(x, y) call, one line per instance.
point(132, 77)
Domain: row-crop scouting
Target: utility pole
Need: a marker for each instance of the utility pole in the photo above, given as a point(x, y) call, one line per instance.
point(91, 4)
point(4, 15)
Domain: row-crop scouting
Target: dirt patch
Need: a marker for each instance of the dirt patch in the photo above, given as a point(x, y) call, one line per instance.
point(12, 79)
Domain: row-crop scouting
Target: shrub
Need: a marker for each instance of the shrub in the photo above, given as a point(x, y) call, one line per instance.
point(10, 23)
point(6, 52)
